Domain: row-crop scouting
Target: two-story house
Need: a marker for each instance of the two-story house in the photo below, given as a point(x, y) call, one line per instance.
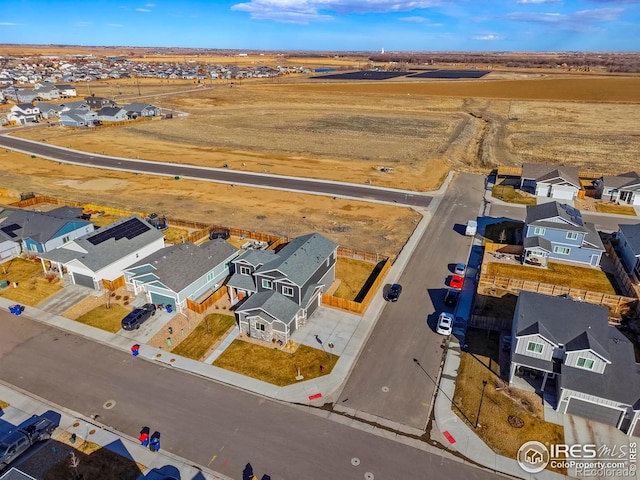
point(24, 112)
point(112, 114)
point(280, 290)
point(629, 247)
point(557, 231)
point(550, 180)
point(561, 340)
point(97, 103)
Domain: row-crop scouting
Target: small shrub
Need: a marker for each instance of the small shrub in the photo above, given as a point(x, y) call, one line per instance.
point(118, 297)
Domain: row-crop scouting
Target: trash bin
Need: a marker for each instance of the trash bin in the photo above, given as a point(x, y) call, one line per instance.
point(169, 308)
point(4, 284)
point(135, 350)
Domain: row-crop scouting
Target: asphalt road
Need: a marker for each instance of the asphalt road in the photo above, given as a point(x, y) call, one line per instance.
point(385, 381)
point(205, 422)
point(350, 190)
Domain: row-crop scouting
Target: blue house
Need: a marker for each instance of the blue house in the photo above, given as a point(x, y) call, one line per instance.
point(179, 272)
point(280, 290)
point(40, 232)
point(557, 231)
point(629, 247)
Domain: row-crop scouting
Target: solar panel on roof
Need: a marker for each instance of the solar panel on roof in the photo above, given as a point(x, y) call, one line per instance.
point(129, 229)
point(10, 229)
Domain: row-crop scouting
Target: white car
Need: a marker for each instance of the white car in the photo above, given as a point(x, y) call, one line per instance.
point(445, 324)
point(460, 269)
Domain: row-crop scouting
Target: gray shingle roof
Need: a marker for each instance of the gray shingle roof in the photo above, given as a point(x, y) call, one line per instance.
point(299, 259)
point(632, 236)
point(42, 226)
point(560, 175)
point(96, 257)
point(178, 266)
point(243, 282)
point(539, 215)
point(109, 111)
point(273, 304)
point(257, 257)
point(621, 181)
point(544, 172)
point(537, 242)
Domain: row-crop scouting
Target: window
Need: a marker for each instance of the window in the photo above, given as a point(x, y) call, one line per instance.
point(287, 291)
point(66, 239)
point(572, 235)
point(245, 271)
point(266, 283)
point(535, 347)
point(539, 230)
point(561, 250)
point(585, 363)
point(210, 277)
point(259, 326)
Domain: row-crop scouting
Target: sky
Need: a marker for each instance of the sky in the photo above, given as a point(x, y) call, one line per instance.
point(329, 25)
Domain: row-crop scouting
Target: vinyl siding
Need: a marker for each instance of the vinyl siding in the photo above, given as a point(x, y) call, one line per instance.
point(571, 360)
point(523, 342)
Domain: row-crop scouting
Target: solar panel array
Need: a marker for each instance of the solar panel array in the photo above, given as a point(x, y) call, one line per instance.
point(129, 229)
point(10, 229)
point(451, 74)
point(366, 75)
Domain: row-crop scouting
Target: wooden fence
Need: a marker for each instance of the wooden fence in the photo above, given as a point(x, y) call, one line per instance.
point(490, 323)
point(358, 307)
point(490, 247)
point(630, 287)
point(113, 285)
point(201, 307)
point(616, 303)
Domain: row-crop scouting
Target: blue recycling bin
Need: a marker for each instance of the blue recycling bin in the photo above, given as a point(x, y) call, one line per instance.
point(169, 308)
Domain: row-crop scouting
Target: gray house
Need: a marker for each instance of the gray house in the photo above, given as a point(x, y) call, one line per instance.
point(179, 272)
point(97, 103)
point(624, 188)
point(550, 180)
point(112, 114)
point(592, 364)
point(280, 290)
point(557, 231)
point(629, 247)
point(136, 110)
point(78, 118)
point(50, 111)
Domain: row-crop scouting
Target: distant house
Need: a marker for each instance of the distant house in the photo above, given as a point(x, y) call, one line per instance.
point(78, 118)
point(66, 91)
point(8, 246)
point(280, 291)
point(39, 232)
point(76, 105)
point(629, 247)
point(624, 188)
point(136, 110)
point(550, 181)
point(557, 231)
point(96, 103)
point(179, 272)
point(107, 252)
point(47, 91)
point(569, 343)
point(50, 111)
point(112, 114)
point(24, 112)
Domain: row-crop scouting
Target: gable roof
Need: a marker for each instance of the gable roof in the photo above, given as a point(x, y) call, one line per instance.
point(106, 245)
point(41, 226)
point(178, 266)
point(256, 257)
point(541, 172)
point(137, 106)
point(632, 236)
point(273, 304)
point(544, 215)
point(299, 259)
point(621, 181)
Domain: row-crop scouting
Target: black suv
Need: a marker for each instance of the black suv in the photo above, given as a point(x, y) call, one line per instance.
point(394, 293)
point(138, 317)
point(451, 298)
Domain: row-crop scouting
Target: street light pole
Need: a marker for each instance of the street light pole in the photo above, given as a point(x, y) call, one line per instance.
point(484, 384)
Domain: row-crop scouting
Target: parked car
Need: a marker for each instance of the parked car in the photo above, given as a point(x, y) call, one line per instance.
point(460, 269)
point(223, 234)
point(138, 316)
point(445, 324)
point(394, 293)
point(451, 297)
point(456, 282)
point(472, 228)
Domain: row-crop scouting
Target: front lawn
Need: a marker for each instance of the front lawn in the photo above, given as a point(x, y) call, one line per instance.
point(273, 365)
point(353, 275)
point(33, 287)
point(108, 319)
point(209, 331)
point(616, 209)
point(175, 235)
point(583, 278)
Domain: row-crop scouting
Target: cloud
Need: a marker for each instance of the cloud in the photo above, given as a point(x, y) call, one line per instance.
point(115, 25)
point(615, 2)
point(145, 10)
point(576, 21)
point(8, 24)
point(150, 5)
point(304, 11)
point(487, 37)
point(415, 19)
point(83, 24)
point(537, 1)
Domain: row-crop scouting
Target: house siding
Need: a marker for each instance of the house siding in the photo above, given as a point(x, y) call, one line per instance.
point(523, 341)
point(571, 360)
point(558, 237)
point(631, 260)
point(201, 285)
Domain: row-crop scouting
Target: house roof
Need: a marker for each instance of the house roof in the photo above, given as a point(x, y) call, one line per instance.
point(544, 173)
point(257, 257)
point(178, 266)
point(632, 236)
point(103, 247)
point(137, 106)
point(25, 106)
point(620, 181)
point(14, 474)
point(592, 238)
point(273, 304)
point(562, 320)
point(109, 111)
point(41, 226)
point(555, 215)
point(299, 259)
point(242, 282)
point(537, 242)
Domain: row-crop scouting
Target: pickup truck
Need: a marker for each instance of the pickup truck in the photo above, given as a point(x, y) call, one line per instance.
point(18, 441)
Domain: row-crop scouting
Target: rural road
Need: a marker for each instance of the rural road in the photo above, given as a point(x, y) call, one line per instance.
point(319, 187)
point(205, 422)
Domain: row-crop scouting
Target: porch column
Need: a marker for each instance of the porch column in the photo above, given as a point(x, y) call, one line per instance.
point(544, 381)
point(44, 268)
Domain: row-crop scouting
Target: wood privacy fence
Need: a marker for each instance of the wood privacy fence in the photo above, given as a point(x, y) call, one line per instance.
point(631, 288)
point(201, 307)
point(490, 323)
point(358, 307)
point(113, 284)
point(616, 303)
point(502, 248)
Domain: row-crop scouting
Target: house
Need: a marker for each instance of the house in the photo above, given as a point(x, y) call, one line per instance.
point(107, 252)
point(280, 290)
point(8, 246)
point(97, 103)
point(76, 105)
point(46, 91)
point(78, 118)
point(112, 114)
point(629, 247)
point(135, 110)
point(50, 111)
point(24, 112)
point(593, 364)
point(624, 188)
point(39, 232)
point(550, 181)
point(67, 91)
point(556, 231)
point(179, 272)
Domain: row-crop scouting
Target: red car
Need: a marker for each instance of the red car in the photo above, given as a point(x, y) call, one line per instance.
point(456, 282)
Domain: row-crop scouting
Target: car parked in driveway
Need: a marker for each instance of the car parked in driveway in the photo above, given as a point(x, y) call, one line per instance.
point(445, 324)
point(451, 297)
point(394, 293)
point(460, 269)
point(456, 282)
point(138, 316)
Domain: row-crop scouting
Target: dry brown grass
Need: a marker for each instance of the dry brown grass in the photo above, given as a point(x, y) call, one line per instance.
point(3, 405)
point(273, 365)
point(199, 342)
point(108, 319)
point(615, 209)
point(33, 285)
point(556, 274)
point(352, 274)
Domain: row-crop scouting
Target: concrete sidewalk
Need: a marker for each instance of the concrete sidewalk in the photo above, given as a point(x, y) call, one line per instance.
point(22, 406)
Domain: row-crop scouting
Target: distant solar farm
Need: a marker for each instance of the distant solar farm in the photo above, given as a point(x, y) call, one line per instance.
point(382, 75)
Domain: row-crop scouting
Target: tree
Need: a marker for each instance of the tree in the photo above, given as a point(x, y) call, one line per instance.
point(502, 238)
point(74, 462)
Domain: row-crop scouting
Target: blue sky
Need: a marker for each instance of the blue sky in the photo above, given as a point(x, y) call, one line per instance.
point(395, 25)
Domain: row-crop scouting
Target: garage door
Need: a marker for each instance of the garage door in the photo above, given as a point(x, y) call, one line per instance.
point(84, 280)
point(158, 299)
point(593, 411)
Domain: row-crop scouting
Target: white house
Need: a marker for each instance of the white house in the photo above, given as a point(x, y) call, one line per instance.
point(624, 188)
point(24, 112)
point(550, 181)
